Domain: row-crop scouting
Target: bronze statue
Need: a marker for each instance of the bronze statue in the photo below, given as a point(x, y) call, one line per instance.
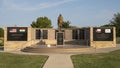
point(60, 21)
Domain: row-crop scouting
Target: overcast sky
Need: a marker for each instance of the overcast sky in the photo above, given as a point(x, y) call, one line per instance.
point(81, 13)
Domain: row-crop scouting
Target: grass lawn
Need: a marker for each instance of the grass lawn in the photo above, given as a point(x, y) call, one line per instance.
point(103, 60)
point(8, 60)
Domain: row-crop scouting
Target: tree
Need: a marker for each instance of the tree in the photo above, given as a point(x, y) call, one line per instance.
point(116, 22)
point(66, 24)
point(1, 32)
point(42, 22)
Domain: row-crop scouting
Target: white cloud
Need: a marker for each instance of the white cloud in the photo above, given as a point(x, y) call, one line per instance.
point(25, 6)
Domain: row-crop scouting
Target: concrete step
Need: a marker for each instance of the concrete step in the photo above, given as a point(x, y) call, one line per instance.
point(55, 50)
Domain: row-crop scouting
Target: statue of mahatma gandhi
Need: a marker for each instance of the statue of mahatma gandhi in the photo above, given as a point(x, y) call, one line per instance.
point(60, 21)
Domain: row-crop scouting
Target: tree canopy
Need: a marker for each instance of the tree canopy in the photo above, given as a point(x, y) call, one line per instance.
point(42, 22)
point(66, 24)
point(115, 22)
point(1, 32)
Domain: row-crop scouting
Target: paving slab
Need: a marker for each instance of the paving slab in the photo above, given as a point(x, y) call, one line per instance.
point(59, 61)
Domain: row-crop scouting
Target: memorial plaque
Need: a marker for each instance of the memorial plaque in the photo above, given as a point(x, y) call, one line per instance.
point(45, 34)
point(103, 34)
point(17, 34)
point(75, 34)
point(60, 31)
point(60, 38)
point(38, 34)
point(81, 34)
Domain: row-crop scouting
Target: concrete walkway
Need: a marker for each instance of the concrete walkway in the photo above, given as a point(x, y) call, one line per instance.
point(59, 61)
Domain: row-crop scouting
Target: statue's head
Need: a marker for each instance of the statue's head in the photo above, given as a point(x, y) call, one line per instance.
point(60, 15)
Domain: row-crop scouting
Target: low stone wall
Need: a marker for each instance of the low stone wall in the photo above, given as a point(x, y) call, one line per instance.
point(31, 40)
point(16, 46)
point(50, 42)
point(102, 44)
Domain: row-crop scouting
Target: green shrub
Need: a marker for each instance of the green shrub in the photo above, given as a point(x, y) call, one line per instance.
point(1, 42)
point(1, 32)
point(118, 40)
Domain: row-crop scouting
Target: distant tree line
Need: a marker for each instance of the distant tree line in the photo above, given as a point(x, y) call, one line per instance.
point(66, 24)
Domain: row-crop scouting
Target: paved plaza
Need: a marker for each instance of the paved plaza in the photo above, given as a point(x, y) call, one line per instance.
point(63, 60)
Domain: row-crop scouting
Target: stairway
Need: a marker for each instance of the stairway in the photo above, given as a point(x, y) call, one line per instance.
point(56, 49)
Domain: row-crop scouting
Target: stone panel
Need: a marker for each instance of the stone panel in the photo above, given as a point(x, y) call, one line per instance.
point(102, 44)
point(16, 45)
point(68, 34)
point(51, 34)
